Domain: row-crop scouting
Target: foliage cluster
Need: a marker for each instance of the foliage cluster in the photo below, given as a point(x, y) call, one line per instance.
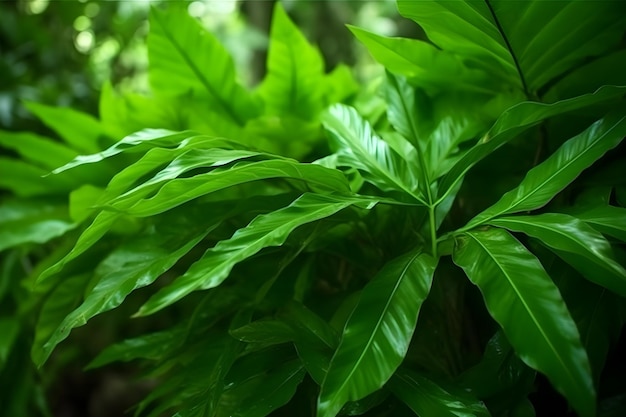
point(447, 240)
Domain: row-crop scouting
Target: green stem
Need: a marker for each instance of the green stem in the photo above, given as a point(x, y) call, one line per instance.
point(433, 230)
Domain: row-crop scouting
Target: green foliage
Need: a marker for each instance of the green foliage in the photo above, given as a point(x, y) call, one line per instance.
point(299, 254)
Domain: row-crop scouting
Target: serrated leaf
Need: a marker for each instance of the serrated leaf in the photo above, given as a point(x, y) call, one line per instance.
point(378, 332)
point(271, 229)
point(528, 306)
point(428, 399)
point(567, 234)
point(551, 176)
point(295, 70)
point(206, 70)
point(358, 146)
point(516, 120)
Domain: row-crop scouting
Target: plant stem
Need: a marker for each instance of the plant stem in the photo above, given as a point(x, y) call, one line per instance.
point(433, 230)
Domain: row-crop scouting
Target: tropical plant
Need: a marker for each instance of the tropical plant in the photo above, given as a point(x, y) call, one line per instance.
point(454, 244)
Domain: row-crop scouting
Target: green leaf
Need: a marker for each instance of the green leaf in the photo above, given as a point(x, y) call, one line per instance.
point(149, 346)
point(43, 151)
point(528, 306)
point(551, 176)
point(9, 328)
point(79, 130)
point(181, 190)
point(24, 179)
point(358, 146)
point(131, 266)
point(271, 229)
point(516, 120)
point(377, 335)
point(295, 71)
point(499, 371)
point(266, 332)
point(610, 220)
point(585, 246)
point(205, 70)
point(424, 64)
point(428, 399)
point(31, 221)
point(516, 40)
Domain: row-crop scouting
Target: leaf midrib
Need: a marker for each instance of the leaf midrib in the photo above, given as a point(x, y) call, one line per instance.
point(526, 306)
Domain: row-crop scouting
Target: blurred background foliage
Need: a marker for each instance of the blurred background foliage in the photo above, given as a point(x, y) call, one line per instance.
point(61, 52)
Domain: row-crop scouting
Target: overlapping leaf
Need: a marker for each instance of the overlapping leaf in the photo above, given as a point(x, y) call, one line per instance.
point(579, 243)
point(271, 229)
point(528, 306)
point(516, 40)
point(610, 220)
point(516, 120)
point(378, 332)
point(551, 176)
point(358, 146)
point(428, 399)
point(206, 69)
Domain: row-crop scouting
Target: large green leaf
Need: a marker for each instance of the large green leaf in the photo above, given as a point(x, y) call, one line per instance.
point(586, 247)
point(424, 64)
point(516, 40)
point(32, 221)
point(185, 58)
point(271, 229)
point(377, 334)
point(551, 176)
point(295, 71)
point(428, 399)
point(528, 306)
point(181, 190)
point(358, 146)
point(516, 120)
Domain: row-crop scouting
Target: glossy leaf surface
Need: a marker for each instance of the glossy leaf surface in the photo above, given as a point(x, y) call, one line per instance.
point(271, 229)
point(516, 120)
point(551, 176)
point(377, 334)
point(610, 220)
point(427, 399)
point(528, 306)
point(357, 145)
point(568, 234)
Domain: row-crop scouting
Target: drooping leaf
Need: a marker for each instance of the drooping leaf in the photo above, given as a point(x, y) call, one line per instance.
point(528, 306)
point(206, 70)
point(181, 190)
point(134, 265)
point(80, 130)
point(428, 399)
point(358, 146)
point(551, 176)
point(295, 70)
point(271, 229)
point(425, 65)
point(516, 120)
point(32, 221)
point(585, 246)
point(378, 332)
